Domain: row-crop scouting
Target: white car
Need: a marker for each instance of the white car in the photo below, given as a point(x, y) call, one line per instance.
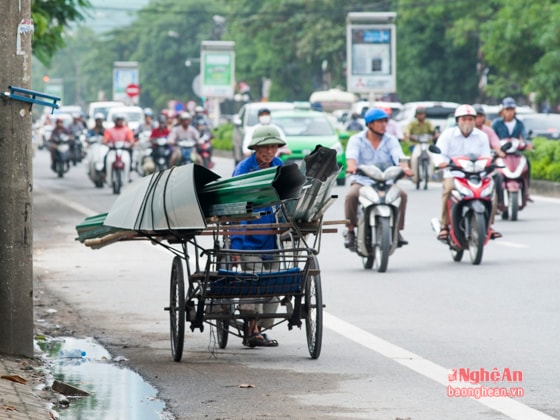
point(133, 115)
point(248, 117)
point(100, 107)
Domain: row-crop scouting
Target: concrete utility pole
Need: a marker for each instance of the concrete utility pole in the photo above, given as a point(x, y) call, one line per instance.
point(16, 229)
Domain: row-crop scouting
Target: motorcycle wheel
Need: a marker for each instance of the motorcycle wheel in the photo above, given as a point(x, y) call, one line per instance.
point(514, 205)
point(425, 173)
point(117, 181)
point(478, 230)
point(98, 183)
point(368, 262)
point(456, 254)
point(382, 244)
point(222, 331)
point(60, 168)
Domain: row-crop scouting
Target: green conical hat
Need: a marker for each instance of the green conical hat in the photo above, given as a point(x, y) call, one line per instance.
point(265, 135)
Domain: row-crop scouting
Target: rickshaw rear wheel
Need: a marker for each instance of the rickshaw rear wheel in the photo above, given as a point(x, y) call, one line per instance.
point(177, 309)
point(313, 302)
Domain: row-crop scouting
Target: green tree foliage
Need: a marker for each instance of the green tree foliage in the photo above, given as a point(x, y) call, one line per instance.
point(51, 17)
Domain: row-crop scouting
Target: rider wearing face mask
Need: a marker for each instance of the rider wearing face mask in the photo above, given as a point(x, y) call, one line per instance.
point(264, 119)
point(461, 140)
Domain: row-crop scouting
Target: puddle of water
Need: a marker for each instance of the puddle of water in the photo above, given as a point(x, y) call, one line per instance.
point(115, 392)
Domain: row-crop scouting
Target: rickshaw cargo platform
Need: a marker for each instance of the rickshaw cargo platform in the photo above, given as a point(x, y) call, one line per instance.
point(215, 286)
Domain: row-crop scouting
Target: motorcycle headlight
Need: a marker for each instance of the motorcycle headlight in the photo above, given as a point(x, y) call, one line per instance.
point(392, 195)
point(368, 194)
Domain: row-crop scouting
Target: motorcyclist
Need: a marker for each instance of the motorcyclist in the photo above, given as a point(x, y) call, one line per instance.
point(183, 131)
point(509, 126)
point(415, 128)
point(199, 118)
point(78, 125)
point(371, 146)
point(148, 124)
point(119, 132)
point(354, 124)
point(57, 131)
point(98, 129)
point(161, 130)
point(455, 141)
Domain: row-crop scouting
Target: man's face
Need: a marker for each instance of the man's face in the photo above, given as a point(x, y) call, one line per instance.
point(466, 124)
point(379, 126)
point(509, 114)
point(266, 153)
point(185, 122)
point(421, 116)
point(119, 122)
point(479, 120)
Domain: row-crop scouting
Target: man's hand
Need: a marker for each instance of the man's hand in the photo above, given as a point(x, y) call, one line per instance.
point(443, 165)
point(351, 166)
point(408, 172)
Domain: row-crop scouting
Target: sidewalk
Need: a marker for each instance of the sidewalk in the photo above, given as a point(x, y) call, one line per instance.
point(24, 400)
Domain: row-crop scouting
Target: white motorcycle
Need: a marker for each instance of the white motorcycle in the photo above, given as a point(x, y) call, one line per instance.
point(142, 153)
point(118, 165)
point(378, 210)
point(95, 160)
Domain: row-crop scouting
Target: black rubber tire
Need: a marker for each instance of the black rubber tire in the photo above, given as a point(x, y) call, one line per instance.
point(60, 168)
point(457, 254)
point(514, 205)
point(340, 181)
point(425, 173)
point(478, 230)
point(313, 307)
point(177, 309)
point(382, 244)
point(117, 181)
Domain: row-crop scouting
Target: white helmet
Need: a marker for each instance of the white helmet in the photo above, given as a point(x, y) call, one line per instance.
point(465, 110)
point(99, 116)
point(199, 109)
point(185, 115)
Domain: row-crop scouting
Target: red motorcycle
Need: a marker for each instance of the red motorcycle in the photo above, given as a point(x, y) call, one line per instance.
point(469, 205)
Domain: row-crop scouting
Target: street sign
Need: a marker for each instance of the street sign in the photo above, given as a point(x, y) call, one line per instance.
point(217, 69)
point(132, 90)
point(125, 73)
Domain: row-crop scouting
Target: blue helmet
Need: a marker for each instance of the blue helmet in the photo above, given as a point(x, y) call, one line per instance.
point(375, 114)
point(508, 102)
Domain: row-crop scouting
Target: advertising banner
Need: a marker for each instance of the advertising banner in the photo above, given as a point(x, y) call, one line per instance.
point(371, 55)
point(217, 69)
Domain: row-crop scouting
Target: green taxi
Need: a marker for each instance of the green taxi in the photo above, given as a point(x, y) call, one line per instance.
point(304, 129)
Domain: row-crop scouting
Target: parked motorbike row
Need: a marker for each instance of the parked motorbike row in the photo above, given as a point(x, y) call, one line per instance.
point(469, 207)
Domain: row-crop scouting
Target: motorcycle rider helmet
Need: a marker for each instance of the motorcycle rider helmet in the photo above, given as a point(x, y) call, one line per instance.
point(479, 110)
point(263, 111)
point(508, 102)
point(420, 110)
point(148, 112)
point(118, 117)
point(99, 116)
point(265, 135)
point(464, 110)
point(375, 114)
point(185, 116)
point(199, 109)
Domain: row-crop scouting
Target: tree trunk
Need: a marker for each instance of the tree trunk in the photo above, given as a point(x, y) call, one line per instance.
point(16, 183)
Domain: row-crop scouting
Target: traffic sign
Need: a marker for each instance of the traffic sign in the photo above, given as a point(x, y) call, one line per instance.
point(132, 90)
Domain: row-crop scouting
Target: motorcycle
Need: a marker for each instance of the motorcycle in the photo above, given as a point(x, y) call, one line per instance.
point(77, 146)
point(378, 210)
point(204, 147)
point(188, 151)
point(469, 205)
point(161, 152)
point(118, 164)
point(61, 163)
point(424, 163)
point(95, 163)
point(514, 191)
point(141, 153)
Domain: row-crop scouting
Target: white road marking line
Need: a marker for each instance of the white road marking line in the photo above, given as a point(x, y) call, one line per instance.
point(511, 244)
point(512, 408)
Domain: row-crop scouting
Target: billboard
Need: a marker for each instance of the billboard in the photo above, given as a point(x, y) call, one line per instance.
point(125, 73)
point(371, 52)
point(217, 60)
